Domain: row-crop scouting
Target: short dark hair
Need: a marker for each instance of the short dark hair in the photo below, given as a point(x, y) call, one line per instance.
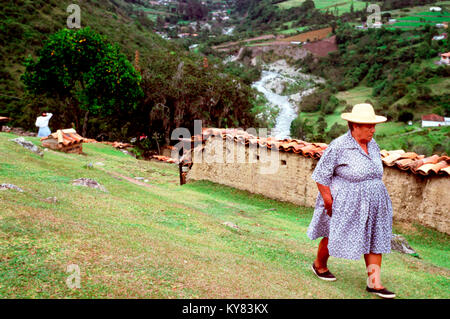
point(350, 126)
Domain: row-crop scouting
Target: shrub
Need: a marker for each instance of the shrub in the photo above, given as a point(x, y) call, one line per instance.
point(336, 130)
point(438, 110)
point(301, 129)
point(425, 149)
point(310, 103)
point(405, 116)
point(330, 106)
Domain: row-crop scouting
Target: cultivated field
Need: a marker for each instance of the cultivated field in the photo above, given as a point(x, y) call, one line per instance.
point(421, 16)
point(342, 6)
point(309, 36)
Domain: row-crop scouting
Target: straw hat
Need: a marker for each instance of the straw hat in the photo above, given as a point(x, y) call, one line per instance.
point(363, 113)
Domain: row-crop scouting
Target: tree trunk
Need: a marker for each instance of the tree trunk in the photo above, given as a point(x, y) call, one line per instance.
point(85, 124)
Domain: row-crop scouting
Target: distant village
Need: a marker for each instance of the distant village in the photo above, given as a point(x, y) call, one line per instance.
point(218, 16)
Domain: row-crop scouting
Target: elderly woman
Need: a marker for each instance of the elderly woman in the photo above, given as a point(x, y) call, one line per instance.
point(353, 210)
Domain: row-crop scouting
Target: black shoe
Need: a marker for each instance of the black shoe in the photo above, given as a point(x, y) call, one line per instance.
point(383, 293)
point(328, 276)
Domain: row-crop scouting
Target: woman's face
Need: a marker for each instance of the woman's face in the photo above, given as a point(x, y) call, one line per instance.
point(364, 132)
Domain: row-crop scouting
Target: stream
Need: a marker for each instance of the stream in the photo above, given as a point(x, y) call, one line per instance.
point(275, 78)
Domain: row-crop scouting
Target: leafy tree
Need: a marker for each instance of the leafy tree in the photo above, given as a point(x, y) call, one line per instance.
point(300, 128)
point(81, 68)
point(330, 106)
point(335, 131)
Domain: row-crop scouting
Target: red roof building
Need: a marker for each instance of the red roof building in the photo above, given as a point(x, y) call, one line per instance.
point(433, 117)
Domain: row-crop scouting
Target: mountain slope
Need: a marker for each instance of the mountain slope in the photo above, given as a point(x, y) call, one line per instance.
point(179, 86)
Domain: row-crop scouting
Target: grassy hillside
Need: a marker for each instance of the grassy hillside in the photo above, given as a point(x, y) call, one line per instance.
point(162, 240)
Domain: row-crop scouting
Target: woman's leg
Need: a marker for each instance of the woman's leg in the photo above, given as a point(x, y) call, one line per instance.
point(373, 264)
point(322, 256)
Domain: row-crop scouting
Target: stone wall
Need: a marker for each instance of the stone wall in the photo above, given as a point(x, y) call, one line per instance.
point(415, 198)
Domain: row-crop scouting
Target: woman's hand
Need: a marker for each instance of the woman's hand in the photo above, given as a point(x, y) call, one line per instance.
point(327, 198)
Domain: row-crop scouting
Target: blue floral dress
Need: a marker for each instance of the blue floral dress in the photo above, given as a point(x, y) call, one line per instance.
point(361, 221)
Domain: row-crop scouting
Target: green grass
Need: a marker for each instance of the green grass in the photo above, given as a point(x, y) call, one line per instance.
point(417, 17)
point(394, 135)
point(420, 10)
point(292, 30)
point(426, 19)
point(168, 241)
point(434, 14)
point(409, 24)
point(356, 95)
point(397, 135)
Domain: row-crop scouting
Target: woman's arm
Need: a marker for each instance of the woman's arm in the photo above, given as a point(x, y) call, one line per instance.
point(327, 198)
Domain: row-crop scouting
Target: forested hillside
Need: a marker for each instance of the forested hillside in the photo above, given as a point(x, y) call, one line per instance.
point(177, 85)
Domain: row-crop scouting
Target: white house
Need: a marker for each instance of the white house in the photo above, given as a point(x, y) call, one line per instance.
point(436, 9)
point(376, 25)
point(193, 46)
point(440, 37)
point(445, 58)
point(431, 120)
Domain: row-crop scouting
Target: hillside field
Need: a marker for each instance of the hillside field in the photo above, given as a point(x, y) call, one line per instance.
point(343, 6)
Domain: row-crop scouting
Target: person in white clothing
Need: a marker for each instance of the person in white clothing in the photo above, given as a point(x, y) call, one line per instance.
point(42, 123)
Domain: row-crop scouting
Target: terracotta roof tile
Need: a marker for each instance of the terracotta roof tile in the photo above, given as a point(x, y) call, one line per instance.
point(445, 170)
point(426, 168)
point(65, 137)
point(403, 163)
point(407, 161)
point(164, 159)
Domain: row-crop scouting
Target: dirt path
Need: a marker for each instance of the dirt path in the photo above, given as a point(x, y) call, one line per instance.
point(131, 180)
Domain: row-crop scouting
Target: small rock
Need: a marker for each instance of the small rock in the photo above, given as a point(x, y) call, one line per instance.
point(128, 153)
point(28, 145)
point(10, 186)
point(400, 244)
point(89, 166)
point(139, 178)
point(99, 164)
point(146, 180)
point(52, 200)
point(87, 182)
point(231, 225)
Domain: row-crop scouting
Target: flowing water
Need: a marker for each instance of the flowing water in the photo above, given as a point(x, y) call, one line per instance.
point(287, 112)
point(271, 85)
